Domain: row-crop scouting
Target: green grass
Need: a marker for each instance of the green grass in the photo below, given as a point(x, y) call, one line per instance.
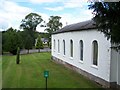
point(30, 73)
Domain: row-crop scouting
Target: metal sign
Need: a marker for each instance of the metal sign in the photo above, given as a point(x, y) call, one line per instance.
point(46, 74)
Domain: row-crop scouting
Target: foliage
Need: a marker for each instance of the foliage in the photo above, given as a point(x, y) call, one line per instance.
point(18, 56)
point(53, 25)
point(30, 23)
point(11, 40)
point(39, 44)
point(28, 42)
point(49, 44)
point(106, 16)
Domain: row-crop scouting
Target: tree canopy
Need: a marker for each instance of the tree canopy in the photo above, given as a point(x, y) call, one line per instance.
point(107, 18)
point(53, 24)
point(31, 21)
point(11, 40)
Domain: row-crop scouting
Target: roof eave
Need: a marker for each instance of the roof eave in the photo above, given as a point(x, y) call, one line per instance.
point(74, 30)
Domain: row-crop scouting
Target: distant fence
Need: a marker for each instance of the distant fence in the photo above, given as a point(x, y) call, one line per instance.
point(24, 51)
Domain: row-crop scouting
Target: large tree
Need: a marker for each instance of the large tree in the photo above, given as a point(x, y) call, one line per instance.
point(107, 18)
point(53, 25)
point(30, 23)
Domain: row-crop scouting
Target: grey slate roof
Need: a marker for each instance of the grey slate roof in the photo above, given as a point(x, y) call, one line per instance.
point(86, 25)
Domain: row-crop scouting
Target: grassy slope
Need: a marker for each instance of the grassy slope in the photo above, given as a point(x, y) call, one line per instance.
point(29, 73)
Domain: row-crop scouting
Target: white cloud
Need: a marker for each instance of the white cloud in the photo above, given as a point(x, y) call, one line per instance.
point(55, 8)
point(70, 19)
point(3, 24)
point(75, 3)
point(12, 14)
point(42, 1)
point(68, 4)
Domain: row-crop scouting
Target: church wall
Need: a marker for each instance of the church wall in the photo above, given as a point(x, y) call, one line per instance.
point(88, 36)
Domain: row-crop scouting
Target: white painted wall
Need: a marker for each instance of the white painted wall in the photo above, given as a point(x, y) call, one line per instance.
point(113, 71)
point(115, 66)
point(118, 70)
point(88, 36)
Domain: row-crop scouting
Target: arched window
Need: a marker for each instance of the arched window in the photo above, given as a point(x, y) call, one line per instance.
point(64, 47)
point(95, 52)
point(71, 48)
point(54, 44)
point(81, 50)
point(58, 46)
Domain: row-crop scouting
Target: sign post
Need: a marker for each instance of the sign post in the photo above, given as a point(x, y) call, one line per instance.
point(46, 74)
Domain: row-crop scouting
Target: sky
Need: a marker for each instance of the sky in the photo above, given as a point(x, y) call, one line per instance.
point(71, 11)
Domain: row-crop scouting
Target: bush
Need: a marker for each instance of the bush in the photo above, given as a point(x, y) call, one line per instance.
point(11, 39)
point(39, 44)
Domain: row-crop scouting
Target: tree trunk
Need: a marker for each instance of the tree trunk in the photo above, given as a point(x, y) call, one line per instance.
point(28, 51)
point(39, 50)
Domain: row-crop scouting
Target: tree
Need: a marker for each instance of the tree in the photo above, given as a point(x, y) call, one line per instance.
point(11, 40)
point(53, 25)
point(107, 18)
point(30, 23)
point(28, 42)
point(18, 56)
point(39, 44)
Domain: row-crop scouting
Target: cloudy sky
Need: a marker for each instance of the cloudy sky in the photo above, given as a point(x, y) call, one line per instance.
point(71, 11)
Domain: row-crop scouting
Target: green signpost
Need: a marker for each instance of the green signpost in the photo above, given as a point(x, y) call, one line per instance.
point(46, 75)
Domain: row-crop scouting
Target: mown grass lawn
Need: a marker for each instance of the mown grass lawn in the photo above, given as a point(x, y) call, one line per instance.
point(29, 73)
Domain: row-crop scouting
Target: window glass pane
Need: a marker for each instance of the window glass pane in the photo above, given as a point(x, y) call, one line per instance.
point(81, 50)
point(71, 48)
point(95, 53)
point(64, 47)
point(58, 46)
point(54, 44)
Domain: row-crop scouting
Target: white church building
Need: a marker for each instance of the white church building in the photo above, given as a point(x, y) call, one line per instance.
point(86, 50)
